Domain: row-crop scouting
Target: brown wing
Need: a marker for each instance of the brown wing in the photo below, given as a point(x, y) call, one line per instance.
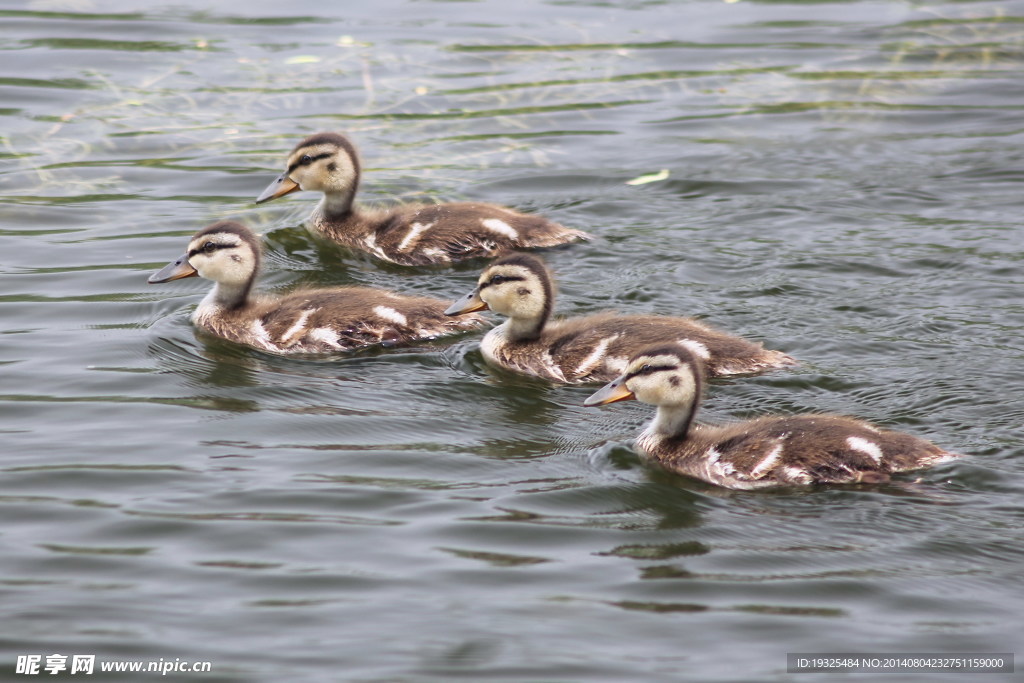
point(596, 348)
point(807, 449)
point(344, 318)
point(723, 353)
point(441, 233)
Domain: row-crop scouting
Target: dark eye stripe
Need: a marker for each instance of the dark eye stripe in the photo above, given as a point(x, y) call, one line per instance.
point(650, 370)
point(498, 279)
point(211, 246)
point(302, 161)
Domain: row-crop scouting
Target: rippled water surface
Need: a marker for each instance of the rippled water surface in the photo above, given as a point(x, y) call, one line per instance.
point(843, 180)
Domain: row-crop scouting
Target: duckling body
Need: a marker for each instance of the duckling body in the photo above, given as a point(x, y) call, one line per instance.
point(327, 320)
point(305, 321)
point(413, 234)
point(796, 450)
point(594, 348)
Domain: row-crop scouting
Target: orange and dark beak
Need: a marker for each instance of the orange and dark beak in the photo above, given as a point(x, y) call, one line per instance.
point(467, 304)
point(612, 392)
point(175, 270)
point(278, 188)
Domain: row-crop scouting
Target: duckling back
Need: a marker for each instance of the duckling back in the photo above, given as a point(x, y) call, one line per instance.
point(333, 320)
point(794, 450)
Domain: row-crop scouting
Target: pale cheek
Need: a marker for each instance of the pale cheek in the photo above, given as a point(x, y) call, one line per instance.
point(647, 393)
point(305, 182)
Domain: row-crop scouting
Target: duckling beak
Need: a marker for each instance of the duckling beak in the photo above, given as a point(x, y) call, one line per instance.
point(175, 270)
point(610, 393)
point(467, 304)
point(280, 187)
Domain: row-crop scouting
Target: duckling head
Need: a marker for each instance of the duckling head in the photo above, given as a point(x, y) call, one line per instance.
point(324, 162)
point(226, 252)
point(516, 285)
point(669, 377)
point(660, 376)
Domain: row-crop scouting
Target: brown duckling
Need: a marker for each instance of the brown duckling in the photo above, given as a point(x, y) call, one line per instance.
point(593, 348)
point(411, 234)
point(303, 321)
point(767, 451)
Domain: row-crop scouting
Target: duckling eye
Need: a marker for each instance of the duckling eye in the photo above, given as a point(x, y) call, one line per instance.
point(208, 248)
point(306, 160)
point(645, 368)
point(498, 279)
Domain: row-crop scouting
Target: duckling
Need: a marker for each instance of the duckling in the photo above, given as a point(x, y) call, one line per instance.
point(767, 451)
point(413, 234)
point(594, 348)
point(304, 321)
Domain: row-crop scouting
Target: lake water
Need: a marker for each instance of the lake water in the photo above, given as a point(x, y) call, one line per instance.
point(845, 183)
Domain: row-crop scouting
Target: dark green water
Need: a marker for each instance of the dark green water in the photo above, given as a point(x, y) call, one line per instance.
point(845, 183)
